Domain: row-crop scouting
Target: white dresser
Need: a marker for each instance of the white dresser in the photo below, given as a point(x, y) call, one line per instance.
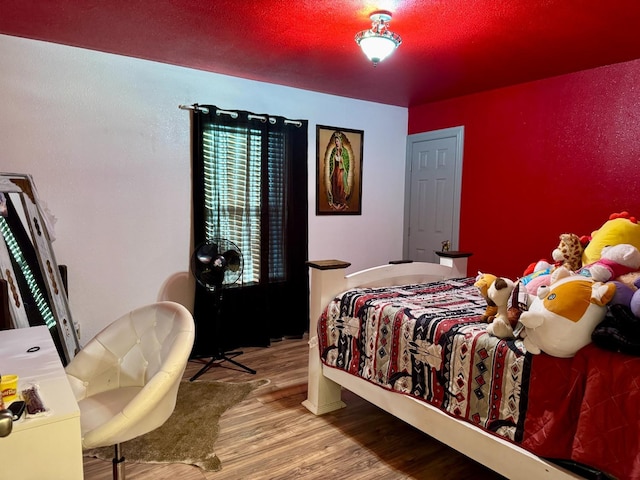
point(47, 447)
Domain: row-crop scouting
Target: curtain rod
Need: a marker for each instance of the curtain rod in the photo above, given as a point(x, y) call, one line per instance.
point(194, 107)
point(198, 108)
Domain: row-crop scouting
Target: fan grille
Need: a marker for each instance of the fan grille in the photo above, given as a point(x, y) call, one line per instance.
point(217, 263)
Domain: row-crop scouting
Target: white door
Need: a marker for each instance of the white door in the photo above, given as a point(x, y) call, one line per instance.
point(432, 193)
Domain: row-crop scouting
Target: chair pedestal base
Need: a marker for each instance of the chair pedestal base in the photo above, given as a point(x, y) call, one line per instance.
point(118, 464)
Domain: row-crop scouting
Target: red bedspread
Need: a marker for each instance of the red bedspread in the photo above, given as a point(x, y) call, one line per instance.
point(592, 415)
point(427, 341)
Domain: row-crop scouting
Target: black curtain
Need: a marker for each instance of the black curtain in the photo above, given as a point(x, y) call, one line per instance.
point(275, 303)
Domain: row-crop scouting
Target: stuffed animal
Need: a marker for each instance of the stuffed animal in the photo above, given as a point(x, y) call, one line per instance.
point(535, 280)
point(631, 279)
point(483, 282)
point(620, 329)
point(500, 292)
point(615, 260)
point(525, 289)
point(562, 317)
point(569, 252)
point(634, 303)
point(536, 267)
point(627, 296)
point(518, 302)
point(623, 294)
point(620, 228)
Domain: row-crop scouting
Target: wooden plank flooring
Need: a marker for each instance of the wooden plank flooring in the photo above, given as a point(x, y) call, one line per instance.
point(271, 436)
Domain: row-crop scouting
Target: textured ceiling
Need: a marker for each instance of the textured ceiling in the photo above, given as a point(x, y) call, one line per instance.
point(450, 47)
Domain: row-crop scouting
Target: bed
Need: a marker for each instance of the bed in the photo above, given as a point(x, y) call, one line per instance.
point(434, 367)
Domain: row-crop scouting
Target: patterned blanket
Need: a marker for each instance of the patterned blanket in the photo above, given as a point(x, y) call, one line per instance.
point(427, 341)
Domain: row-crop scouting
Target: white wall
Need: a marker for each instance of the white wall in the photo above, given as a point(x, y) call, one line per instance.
point(109, 151)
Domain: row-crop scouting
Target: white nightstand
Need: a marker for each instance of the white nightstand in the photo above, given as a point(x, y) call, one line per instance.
point(47, 447)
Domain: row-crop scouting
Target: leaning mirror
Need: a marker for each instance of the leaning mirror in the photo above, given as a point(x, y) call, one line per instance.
point(35, 293)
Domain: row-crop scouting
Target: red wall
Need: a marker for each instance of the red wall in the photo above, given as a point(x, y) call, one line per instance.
point(540, 159)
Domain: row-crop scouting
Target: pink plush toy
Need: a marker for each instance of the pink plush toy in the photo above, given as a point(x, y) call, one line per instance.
point(536, 279)
point(615, 260)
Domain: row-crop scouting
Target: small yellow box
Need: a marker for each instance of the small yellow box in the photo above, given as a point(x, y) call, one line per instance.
point(9, 388)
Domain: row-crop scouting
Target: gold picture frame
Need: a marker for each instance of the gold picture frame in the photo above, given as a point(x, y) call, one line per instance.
point(338, 170)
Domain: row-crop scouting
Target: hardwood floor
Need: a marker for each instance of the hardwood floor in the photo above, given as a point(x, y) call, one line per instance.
point(270, 435)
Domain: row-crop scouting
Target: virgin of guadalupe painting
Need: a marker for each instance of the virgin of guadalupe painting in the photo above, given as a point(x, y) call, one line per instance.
point(339, 171)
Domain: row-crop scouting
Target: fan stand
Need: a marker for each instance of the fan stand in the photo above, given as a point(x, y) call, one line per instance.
point(220, 356)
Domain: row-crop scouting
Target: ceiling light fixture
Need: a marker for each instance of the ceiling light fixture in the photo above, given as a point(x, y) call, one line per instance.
point(378, 42)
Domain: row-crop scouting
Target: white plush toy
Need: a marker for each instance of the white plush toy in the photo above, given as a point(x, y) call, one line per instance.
point(499, 292)
point(562, 317)
point(615, 260)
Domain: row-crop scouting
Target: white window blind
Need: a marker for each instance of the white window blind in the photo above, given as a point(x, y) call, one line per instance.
point(233, 182)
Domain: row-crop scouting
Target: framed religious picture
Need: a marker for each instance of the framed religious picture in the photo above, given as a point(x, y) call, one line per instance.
point(338, 171)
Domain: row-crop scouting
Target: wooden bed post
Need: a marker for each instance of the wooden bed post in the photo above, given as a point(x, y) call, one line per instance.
point(327, 280)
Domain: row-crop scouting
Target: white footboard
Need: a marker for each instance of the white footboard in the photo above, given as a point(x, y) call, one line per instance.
point(327, 279)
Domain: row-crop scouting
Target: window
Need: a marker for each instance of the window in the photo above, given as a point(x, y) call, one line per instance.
point(232, 185)
point(250, 188)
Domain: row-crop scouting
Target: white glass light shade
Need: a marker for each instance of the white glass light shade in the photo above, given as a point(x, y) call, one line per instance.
point(378, 42)
point(376, 47)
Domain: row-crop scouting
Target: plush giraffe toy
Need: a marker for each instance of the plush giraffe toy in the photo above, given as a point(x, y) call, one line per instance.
point(569, 252)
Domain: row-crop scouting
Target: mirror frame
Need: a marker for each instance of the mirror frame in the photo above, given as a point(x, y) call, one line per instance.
point(61, 326)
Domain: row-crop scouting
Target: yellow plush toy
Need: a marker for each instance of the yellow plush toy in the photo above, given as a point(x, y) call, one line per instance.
point(620, 228)
point(483, 282)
